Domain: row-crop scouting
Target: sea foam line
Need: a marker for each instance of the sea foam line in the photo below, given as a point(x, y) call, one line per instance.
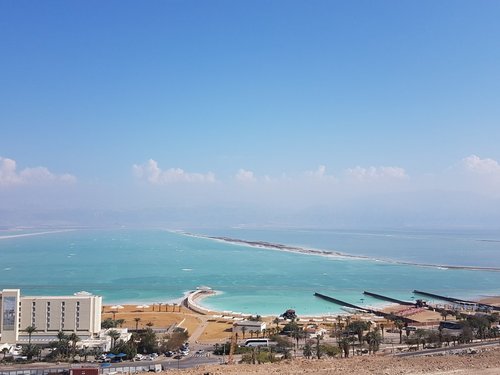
point(35, 233)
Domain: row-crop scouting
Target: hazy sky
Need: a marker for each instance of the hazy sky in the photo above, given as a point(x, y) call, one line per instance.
point(352, 113)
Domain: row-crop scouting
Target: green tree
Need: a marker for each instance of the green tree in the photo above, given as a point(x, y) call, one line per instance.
point(174, 341)
point(373, 339)
point(344, 346)
point(148, 342)
point(399, 325)
point(108, 323)
point(283, 345)
point(277, 322)
point(307, 351)
point(73, 338)
point(444, 314)
point(318, 347)
point(114, 335)
point(126, 347)
point(4, 352)
point(30, 351)
point(358, 326)
point(62, 343)
point(137, 320)
point(30, 330)
point(330, 350)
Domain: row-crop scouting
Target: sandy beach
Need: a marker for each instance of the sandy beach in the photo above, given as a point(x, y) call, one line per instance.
point(214, 327)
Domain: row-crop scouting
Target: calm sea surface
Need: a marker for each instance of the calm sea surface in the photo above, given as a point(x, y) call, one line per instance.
point(157, 266)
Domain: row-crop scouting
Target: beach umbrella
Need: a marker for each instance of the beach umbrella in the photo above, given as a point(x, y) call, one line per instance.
point(110, 355)
point(146, 306)
point(121, 355)
point(119, 307)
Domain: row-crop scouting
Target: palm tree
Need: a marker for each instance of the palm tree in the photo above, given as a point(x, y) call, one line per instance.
point(29, 330)
point(61, 337)
point(277, 322)
point(444, 314)
point(159, 306)
point(399, 325)
point(373, 339)
point(297, 334)
point(120, 322)
point(307, 351)
point(149, 324)
point(359, 327)
point(137, 320)
point(4, 352)
point(344, 346)
point(318, 347)
point(243, 330)
point(74, 339)
point(115, 335)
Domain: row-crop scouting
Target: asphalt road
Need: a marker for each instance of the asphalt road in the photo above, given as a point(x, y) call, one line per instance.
point(447, 349)
point(187, 362)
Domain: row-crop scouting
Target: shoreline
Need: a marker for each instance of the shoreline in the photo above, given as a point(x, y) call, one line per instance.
point(330, 253)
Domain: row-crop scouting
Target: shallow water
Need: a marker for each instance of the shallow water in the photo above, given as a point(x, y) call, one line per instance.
point(157, 266)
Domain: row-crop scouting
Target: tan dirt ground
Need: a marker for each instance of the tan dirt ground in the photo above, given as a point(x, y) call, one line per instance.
point(485, 363)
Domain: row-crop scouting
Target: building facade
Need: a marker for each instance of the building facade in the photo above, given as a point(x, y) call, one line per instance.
point(80, 314)
point(248, 326)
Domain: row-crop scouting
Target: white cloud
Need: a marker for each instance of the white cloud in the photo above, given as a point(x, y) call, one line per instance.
point(245, 176)
point(319, 173)
point(10, 176)
point(150, 172)
point(475, 164)
point(376, 173)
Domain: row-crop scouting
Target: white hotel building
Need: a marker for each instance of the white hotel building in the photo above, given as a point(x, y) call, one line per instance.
point(80, 314)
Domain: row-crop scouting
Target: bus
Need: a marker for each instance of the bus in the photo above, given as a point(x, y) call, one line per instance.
point(256, 342)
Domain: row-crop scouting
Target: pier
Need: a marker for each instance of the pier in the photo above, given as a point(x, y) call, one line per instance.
point(368, 310)
point(389, 299)
point(456, 300)
point(339, 302)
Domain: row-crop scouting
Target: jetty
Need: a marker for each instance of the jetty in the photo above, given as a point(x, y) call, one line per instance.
point(339, 302)
point(389, 299)
point(457, 300)
point(364, 309)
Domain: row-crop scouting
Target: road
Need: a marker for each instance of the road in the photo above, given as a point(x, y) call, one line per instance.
point(447, 349)
point(187, 362)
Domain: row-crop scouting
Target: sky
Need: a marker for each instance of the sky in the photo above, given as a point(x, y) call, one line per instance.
point(299, 113)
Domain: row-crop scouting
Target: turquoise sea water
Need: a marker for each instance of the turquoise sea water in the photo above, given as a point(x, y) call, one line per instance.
point(157, 266)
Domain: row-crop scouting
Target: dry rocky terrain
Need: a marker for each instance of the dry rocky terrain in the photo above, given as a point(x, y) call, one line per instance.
point(484, 363)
